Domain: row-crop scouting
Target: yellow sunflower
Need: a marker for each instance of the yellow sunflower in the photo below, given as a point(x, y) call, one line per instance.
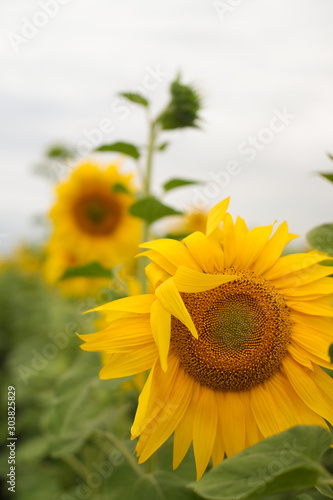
point(91, 218)
point(234, 335)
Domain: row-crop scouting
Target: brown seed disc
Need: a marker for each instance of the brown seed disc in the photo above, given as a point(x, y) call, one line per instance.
point(98, 213)
point(243, 332)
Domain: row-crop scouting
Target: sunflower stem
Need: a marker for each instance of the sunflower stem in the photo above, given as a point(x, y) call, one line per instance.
point(153, 133)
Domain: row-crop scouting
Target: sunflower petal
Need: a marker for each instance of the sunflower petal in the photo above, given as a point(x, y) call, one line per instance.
point(129, 363)
point(233, 423)
point(170, 299)
point(216, 215)
point(294, 262)
point(189, 281)
point(204, 429)
point(155, 274)
point(201, 250)
point(137, 304)
point(160, 320)
point(174, 251)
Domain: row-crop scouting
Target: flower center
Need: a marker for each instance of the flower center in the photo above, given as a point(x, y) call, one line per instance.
point(243, 332)
point(98, 214)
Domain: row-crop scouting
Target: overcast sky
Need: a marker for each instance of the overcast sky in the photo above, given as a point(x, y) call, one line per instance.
point(264, 69)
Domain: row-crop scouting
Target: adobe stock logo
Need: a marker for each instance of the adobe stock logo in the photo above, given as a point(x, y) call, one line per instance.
point(30, 27)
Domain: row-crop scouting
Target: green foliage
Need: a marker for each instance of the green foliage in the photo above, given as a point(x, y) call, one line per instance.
point(182, 110)
point(163, 146)
point(284, 462)
point(176, 183)
point(91, 270)
point(121, 147)
point(150, 209)
point(119, 188)
point(321, 238)
point(137, 98)
point(329, 177)
point(59, 152)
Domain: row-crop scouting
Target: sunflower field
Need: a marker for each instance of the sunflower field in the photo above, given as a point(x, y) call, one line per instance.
point(156, 353)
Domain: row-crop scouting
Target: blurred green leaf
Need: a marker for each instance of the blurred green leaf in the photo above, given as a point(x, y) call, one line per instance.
point(162, 485)
point(325, 490)
point(91, 270)
point(151, 209)
point(330, 352)
point(163, 146)
point(329, 177)
point(321, 238)
point(330, 156)
point(59, 151)
point(137, 98)
point(119, 188)
point(283, 462)
point(176, 183)
point(121, 147)
point(182, 110)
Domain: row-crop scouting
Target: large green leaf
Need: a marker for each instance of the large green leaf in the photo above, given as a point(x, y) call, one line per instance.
point(137, 98)
point(175, 183)
point(321, 238)
point(91, 270)
point(151, 209)
point(284, 462)
point(121, 147)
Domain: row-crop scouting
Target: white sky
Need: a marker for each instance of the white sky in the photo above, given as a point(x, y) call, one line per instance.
point(260, 57)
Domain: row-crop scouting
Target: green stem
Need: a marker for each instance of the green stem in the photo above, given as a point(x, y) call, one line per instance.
point(153, 132)
point(77, 466)
point(122, 448)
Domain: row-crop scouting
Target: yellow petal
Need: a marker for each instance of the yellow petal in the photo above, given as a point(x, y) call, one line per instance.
point(233, 423)
point(216, 215)
point(201, 250)
point(307, 389)
point(160, 321)
point(171, 300)
point(155, 274)
point(174, 251)
point(168, 419)
point(160, 388)
point(254, 242)
point(229, 240)
point(316, 342)
point(298, 356)
point(315, 360)
point(219, 448)
point(161, 261)
point(317, 307)
point(302, 413)
point(303, 277)
point(325, 384)
point(324, 325)
point(252, 433)
point(293, 263)
point(144, 399)
point(184, 430)
point(273, 249)
point(131, 363)
point(204, 429)
point(322, 286)
point(189, 281)
point(137, 304)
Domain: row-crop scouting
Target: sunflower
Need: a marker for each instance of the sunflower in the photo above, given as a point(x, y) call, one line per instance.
point(91, 219)
point(234, 335)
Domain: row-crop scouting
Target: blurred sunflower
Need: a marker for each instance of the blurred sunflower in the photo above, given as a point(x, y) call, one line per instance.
point(234, 335)
point(91, 219)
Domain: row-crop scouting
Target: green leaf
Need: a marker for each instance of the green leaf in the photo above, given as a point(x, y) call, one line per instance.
point(162, 485)
point(175, 183)
point(321, 238)
point(330, 156)
point(121, 147)
point(137, 98)
point(163, 146)
point(119, 188)
point(91, 270)
point(325, 490)
point(182, 110)
point(329, 177)
point(283, 462)
point(59, 151)
point(151, 209)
